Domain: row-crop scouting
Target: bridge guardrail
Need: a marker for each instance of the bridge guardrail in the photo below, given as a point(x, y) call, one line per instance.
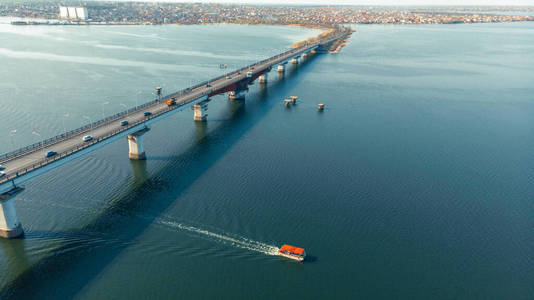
point(53, 140)
point(59, 137)
point(77, 148)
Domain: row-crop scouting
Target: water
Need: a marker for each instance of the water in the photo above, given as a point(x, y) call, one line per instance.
point(415, 182)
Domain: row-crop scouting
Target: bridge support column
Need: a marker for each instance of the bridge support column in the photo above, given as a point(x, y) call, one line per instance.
point(10, 226)
point(304, 55)
point(281, 69)
point(295, 61)
point(137, 147)
point(262, 78)
point(200, 114)
point(236, 95)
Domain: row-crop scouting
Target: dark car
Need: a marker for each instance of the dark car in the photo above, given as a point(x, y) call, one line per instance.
point(124, 123)
point(50, 153)
point(147, 113)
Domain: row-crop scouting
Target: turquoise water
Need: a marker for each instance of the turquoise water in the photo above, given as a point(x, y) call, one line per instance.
point(415, 182)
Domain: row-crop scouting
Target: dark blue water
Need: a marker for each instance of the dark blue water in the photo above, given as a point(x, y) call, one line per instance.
point(415, 182)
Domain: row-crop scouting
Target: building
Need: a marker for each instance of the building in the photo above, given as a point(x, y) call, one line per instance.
point(73, 13)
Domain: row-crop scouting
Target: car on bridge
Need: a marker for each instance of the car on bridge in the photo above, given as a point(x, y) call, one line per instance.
point(87, 138)
point(50, 153)
point(2, 174)
point(124, 123)
point(228, 77)
point(2, 168)
point(147, 113)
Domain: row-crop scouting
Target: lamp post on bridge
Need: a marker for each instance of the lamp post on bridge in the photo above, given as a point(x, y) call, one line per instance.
point(104, 103)
point(126, 108)
point(63, 121)
point(12, 133)
point(91, 123)
point(39, 135)
point(137, 98)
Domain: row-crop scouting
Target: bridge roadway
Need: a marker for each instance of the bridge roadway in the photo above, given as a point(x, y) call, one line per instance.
point(28, 163)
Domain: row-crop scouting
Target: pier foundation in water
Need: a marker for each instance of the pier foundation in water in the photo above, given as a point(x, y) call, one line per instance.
point(237, 95)
point(200, 112)
point(136, 145)
point(10, 226)
point(262, 78)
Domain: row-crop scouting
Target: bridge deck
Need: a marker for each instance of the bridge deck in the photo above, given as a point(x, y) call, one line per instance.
point(32, 159)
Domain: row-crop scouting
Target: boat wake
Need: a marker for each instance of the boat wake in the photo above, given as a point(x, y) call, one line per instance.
point(236, 241)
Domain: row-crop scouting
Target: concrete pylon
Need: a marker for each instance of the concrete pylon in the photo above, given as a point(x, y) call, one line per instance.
point(262, 78)
point(281, 69)
point(295, 61)
point(10, 226)
point(137, 147)
point(237, 95)
point(200, 112)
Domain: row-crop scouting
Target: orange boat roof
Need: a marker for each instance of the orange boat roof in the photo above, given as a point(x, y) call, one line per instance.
point(292, 249)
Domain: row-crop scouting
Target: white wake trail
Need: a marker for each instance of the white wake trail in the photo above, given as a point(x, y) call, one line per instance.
point(235, 241)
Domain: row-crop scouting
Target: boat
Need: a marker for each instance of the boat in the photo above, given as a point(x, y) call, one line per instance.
point(292, 252)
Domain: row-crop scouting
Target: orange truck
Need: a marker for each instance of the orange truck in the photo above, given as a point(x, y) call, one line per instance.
point(171, 102)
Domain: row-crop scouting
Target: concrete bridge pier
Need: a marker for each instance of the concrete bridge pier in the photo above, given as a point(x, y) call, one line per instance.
point(200, 112)
point(295, 61)
point(231, 95)
point(262, 78)
point(137, 147)
point(281, 69)
point(237, 95)
point(10, 226)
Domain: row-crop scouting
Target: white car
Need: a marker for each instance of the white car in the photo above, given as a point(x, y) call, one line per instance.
point(2, 168)
point(2, 174)
point(87, 138)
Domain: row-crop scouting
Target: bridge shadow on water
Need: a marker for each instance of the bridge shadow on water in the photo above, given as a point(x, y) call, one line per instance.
point(70, 267)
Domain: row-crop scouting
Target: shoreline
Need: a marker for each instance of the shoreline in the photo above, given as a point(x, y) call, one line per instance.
point(56, 22)
point(325, 27)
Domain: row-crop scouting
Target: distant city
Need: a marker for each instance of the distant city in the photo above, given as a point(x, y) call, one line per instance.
point(196, 13)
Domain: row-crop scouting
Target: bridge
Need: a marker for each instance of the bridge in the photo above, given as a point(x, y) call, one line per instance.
point(29, 162)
